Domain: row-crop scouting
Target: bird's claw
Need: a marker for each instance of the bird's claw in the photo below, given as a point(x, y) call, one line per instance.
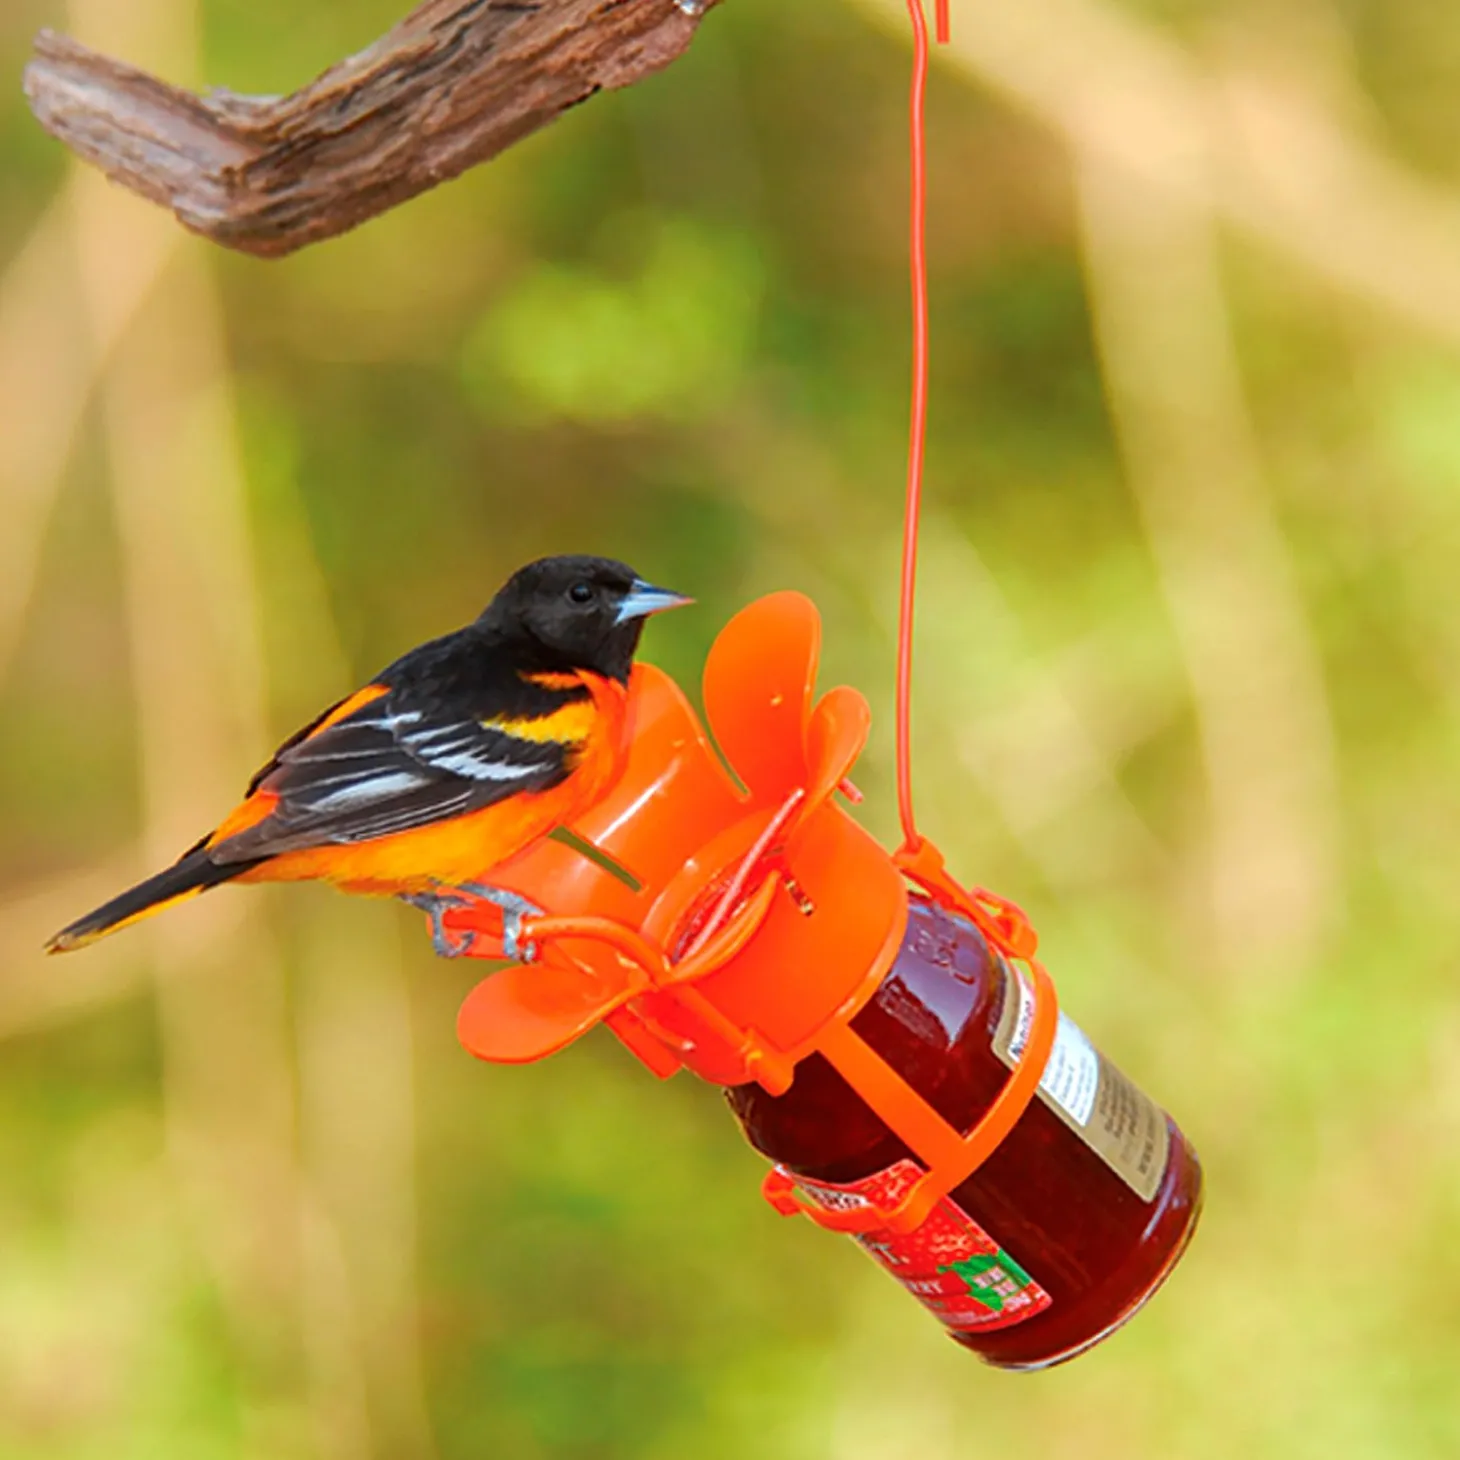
point(435, 905)
point(516, 909)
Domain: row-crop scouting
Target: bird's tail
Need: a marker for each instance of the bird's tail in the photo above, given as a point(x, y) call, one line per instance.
point(191, 874)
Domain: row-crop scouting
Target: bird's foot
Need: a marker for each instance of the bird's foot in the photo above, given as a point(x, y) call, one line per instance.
point(515, 910)
point(436, 905)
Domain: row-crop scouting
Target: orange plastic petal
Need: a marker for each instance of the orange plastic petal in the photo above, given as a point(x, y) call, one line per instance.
point(759, 677)
point(835, 737)
point(528, 1011)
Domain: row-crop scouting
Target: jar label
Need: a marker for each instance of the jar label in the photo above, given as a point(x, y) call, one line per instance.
point(949, 1264)
point(1122, 1125)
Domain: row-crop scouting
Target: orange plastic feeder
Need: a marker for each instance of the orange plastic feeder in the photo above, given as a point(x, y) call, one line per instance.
point(887, 1037)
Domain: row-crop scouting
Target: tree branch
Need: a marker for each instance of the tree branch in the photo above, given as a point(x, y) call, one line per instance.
point(453, 84)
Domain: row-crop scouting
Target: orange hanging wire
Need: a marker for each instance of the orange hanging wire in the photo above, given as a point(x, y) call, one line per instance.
point(918, 264)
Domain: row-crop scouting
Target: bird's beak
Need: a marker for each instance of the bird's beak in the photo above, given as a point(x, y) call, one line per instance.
point(644, 599)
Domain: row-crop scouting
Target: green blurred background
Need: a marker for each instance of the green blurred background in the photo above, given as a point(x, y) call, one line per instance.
point(1189, 655)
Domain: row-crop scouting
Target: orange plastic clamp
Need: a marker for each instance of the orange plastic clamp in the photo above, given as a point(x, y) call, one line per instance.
point(950, 1158)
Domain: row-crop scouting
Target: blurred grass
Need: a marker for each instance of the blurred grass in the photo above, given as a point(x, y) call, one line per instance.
point(259, 1204)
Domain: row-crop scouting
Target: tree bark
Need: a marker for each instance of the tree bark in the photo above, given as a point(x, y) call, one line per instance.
point(453, 84)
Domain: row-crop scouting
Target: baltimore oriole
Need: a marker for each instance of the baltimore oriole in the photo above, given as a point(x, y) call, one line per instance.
point(456, 757)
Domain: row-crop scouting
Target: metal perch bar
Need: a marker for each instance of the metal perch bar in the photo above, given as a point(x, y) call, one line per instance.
point(455, 83)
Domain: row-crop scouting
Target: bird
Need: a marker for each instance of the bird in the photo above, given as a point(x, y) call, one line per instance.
point(463, 752)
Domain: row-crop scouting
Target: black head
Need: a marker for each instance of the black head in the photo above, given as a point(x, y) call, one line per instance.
point(577, 612)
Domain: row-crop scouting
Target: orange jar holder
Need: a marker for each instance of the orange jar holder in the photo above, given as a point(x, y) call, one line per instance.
point(762, 917)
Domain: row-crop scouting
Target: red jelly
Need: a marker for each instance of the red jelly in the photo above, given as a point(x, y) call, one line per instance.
point(1073, 1222)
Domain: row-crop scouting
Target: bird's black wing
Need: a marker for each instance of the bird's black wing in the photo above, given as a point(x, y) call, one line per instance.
point(388, 767)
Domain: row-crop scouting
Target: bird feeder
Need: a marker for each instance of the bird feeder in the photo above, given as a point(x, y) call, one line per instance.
point(886, 1036)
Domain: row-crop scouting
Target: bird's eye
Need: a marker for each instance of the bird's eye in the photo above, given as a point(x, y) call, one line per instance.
point(581, 593)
